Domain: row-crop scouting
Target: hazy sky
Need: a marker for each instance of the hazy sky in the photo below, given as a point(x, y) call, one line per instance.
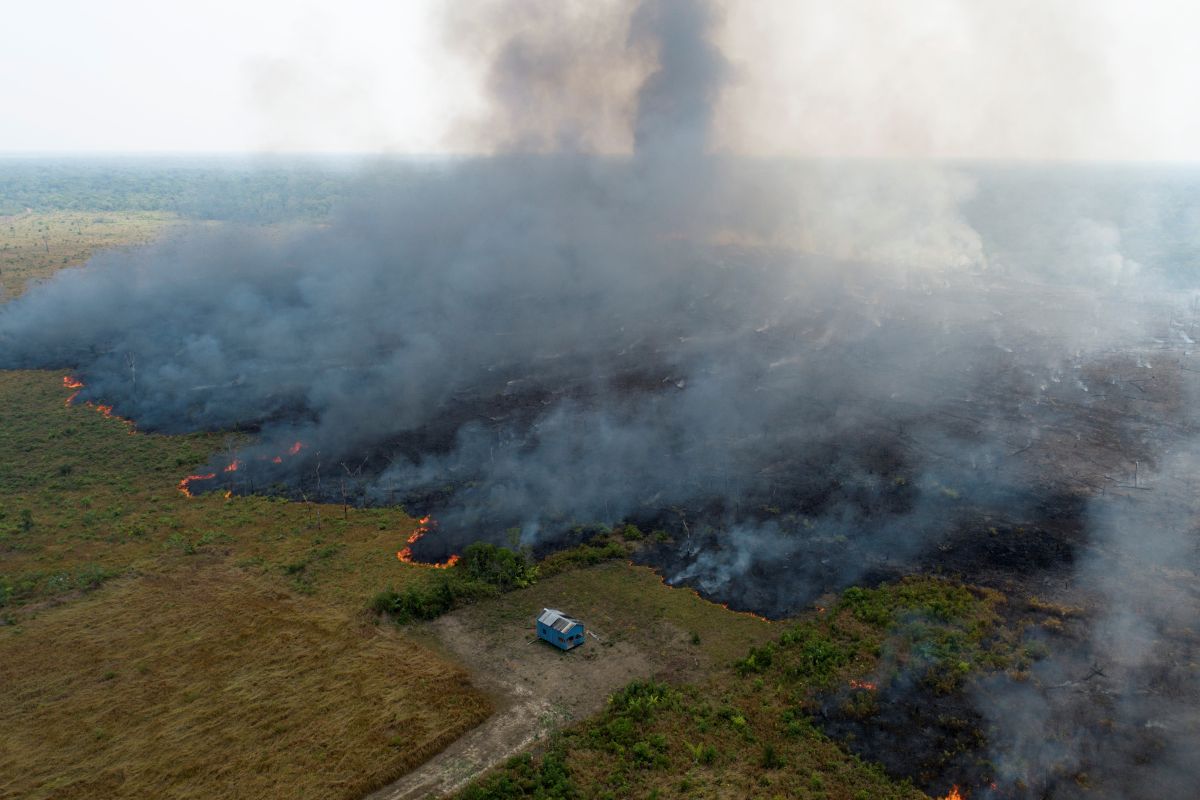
point(1089, 79)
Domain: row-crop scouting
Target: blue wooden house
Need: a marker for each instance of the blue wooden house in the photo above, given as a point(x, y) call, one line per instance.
point(559, 630)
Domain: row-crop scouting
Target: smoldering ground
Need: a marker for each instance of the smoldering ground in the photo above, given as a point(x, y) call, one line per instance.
point(524, 342)
point(1112, 710)
point(760, 357)
point(804, 373)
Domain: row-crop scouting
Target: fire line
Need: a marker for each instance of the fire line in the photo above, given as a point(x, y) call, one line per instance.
point(405, 554)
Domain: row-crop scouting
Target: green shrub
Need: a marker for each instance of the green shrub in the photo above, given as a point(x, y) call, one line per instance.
point(758, 660)
point(640, 699)
point(446, 592)
point(484, 570)
point(770, 758)
point(815, 656)
point(522, 777)
point(584, 555)
point(503, 568)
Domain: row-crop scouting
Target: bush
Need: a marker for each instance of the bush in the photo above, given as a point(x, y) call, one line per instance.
point(650, 753)
point(585, 555)
point(759, 659)
point(521, 777)
point(770, 758)
point(632, 533)
point(498, 566)
point(640, 699)
point(704, 754)
point(484, 570)
point(429, 602)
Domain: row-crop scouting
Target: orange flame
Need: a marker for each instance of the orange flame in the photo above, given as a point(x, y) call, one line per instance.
point(405, 554)
point(867, 685)
point(185, 484)
point(71, 383)
point(291, 451)
point(77, 385)
point(233, 466)
point(954, 794)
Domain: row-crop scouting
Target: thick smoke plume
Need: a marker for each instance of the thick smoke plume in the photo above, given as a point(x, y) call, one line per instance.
point(804, 374)
point(768, 360)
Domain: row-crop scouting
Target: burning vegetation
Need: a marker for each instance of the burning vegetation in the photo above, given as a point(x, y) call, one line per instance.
point(805, 376)
point(105, 411)
point(425, 524)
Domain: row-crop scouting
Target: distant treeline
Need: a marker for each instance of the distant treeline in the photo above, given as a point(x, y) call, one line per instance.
point(195, 190)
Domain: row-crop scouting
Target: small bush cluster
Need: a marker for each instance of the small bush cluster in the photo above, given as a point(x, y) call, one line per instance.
point(939, 601)
point(497, 566)
point(448, 590)
point(585, 555)
point(758, 660)
point(484, 570)
point(522, 777)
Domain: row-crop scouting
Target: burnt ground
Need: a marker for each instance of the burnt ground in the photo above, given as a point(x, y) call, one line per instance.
point(995, 487)
point(1087, 717)
point(1019, 518)
point(1109, 705)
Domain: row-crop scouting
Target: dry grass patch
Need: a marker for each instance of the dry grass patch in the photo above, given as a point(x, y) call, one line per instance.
point(153, 645)
point(204, 683)
point(34, 245)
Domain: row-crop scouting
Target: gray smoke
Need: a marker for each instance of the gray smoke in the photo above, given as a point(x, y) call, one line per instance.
point(804, 373)
point(703, 343)
point(1113, 711)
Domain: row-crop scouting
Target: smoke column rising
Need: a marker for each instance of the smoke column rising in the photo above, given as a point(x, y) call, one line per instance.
point(803, 372)
point(553, 339)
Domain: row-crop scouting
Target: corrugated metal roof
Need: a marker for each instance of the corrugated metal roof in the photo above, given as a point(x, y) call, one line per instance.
point(556, 619)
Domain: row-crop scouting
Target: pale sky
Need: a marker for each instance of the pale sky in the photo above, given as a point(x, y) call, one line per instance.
point(1089, 79)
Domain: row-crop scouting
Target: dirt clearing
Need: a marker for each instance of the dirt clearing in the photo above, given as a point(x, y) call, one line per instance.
point(645, 628)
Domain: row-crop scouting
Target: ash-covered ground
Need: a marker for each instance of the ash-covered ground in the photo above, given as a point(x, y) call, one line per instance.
point(806, 374)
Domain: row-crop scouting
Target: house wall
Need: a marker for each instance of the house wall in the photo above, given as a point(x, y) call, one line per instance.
point(553, 636)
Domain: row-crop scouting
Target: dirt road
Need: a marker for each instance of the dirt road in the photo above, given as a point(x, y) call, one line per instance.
point(537, 689)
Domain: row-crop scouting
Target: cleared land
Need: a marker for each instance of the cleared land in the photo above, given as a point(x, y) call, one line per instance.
point(640, 629)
